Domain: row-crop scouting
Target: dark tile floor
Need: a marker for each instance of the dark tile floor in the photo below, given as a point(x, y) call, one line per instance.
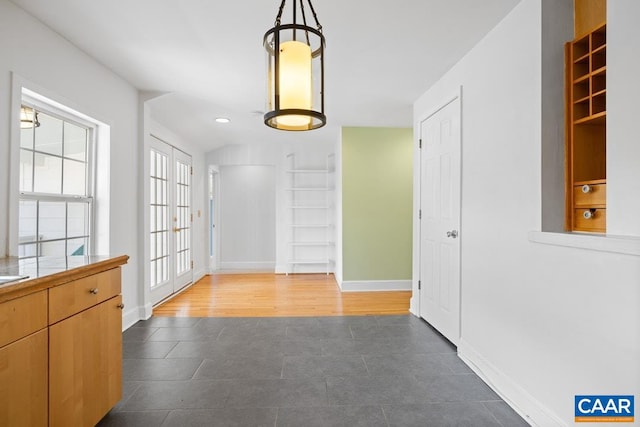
point(320, 371)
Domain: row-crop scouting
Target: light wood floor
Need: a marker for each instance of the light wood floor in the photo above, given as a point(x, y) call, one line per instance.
point(277, 295)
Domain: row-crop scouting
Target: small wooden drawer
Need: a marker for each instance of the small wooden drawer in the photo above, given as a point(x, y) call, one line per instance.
point(22, 316)
point(73, 297)
point(597, 222)
point(589, 195)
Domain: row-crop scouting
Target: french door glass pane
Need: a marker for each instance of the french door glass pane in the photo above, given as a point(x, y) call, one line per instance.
point(159, 224)
point(183, 251)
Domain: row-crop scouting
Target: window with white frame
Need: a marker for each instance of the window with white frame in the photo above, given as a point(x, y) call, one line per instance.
point(56, 200)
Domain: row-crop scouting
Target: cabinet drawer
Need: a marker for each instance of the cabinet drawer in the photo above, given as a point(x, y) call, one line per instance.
point(596, 196)
point(596, 223)
point(22, 316)
point(73, 297)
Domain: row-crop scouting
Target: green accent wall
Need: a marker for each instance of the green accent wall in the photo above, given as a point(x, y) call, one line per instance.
point(377, 203)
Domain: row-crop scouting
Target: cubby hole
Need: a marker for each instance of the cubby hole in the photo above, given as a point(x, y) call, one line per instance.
point(599, 103)
point(581, 109)
point(580, 70)
point(580, 48)
point(598, 60)
point(580, 90)
point(599, 38)
point(598, 83)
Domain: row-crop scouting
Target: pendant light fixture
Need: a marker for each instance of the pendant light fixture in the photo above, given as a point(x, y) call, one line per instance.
point(295, 72)
point(28, 118)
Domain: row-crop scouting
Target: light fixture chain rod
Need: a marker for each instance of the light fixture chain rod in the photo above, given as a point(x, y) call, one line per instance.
point(279, 17)
point(294, 19)
point(304, 21)
point(315, 16)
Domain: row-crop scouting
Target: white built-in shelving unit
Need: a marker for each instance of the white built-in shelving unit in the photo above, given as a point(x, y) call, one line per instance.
point(310, 205)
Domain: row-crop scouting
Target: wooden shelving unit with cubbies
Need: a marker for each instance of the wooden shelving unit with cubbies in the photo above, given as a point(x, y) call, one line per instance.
point(586, 66)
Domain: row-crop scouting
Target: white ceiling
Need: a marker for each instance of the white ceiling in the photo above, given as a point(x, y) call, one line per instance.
point(207, 56)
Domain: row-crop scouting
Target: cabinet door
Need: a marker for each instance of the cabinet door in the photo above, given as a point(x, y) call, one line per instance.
point(23, 381)
point(85, 365)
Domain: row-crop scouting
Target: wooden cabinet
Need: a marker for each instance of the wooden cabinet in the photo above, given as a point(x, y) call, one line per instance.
point(85, 356)
point(61, 351)
point(23, 365)
point(85, 349)
point(586, 132)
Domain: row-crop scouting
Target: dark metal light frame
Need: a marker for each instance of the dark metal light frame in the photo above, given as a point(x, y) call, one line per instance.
point(276, 117)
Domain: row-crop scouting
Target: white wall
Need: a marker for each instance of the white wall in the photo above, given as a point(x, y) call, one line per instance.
point(541, 323)
point(623, 111)
point(40, 56)
point(247, 222)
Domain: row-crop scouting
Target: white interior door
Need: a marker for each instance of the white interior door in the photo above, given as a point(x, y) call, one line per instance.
point(440, 220)
point(170, 266)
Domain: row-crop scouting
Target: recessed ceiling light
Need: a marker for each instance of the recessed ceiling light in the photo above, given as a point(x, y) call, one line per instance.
point(222, 120)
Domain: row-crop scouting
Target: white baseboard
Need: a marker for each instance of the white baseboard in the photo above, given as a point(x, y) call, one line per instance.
point(197, 275)
point(413, 305)
point(130, 317)
point(375, 285)
point(528, 407)
point(232, 265)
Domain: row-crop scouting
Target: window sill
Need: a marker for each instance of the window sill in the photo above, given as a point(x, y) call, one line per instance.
point(603, 243)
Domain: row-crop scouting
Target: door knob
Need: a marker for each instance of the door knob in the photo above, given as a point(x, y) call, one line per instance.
point(453, 234)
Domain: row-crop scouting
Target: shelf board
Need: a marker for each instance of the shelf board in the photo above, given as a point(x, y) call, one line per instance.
point(310, 243)
point(591, 206)
point(581, 78)
point(590, 182)
point(581, 100)
point(596, 119)
point(581, 59)
point(600, 92)
point(600, 70)
point(307, 171)
point(309, 261)
point(599, 48)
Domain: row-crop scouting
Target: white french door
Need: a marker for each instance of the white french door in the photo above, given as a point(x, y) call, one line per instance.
point(440, 221)
point(170, 267)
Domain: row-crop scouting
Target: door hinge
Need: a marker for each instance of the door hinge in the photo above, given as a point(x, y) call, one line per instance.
point(420, 214)
point(420, 143)
point(191, 217)
point(192, 265)
point(419, 285)
point(191, 170)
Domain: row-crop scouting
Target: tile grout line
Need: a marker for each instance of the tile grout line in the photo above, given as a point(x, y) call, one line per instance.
point(384, 414)
point(166, 416)
point(491, 412)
